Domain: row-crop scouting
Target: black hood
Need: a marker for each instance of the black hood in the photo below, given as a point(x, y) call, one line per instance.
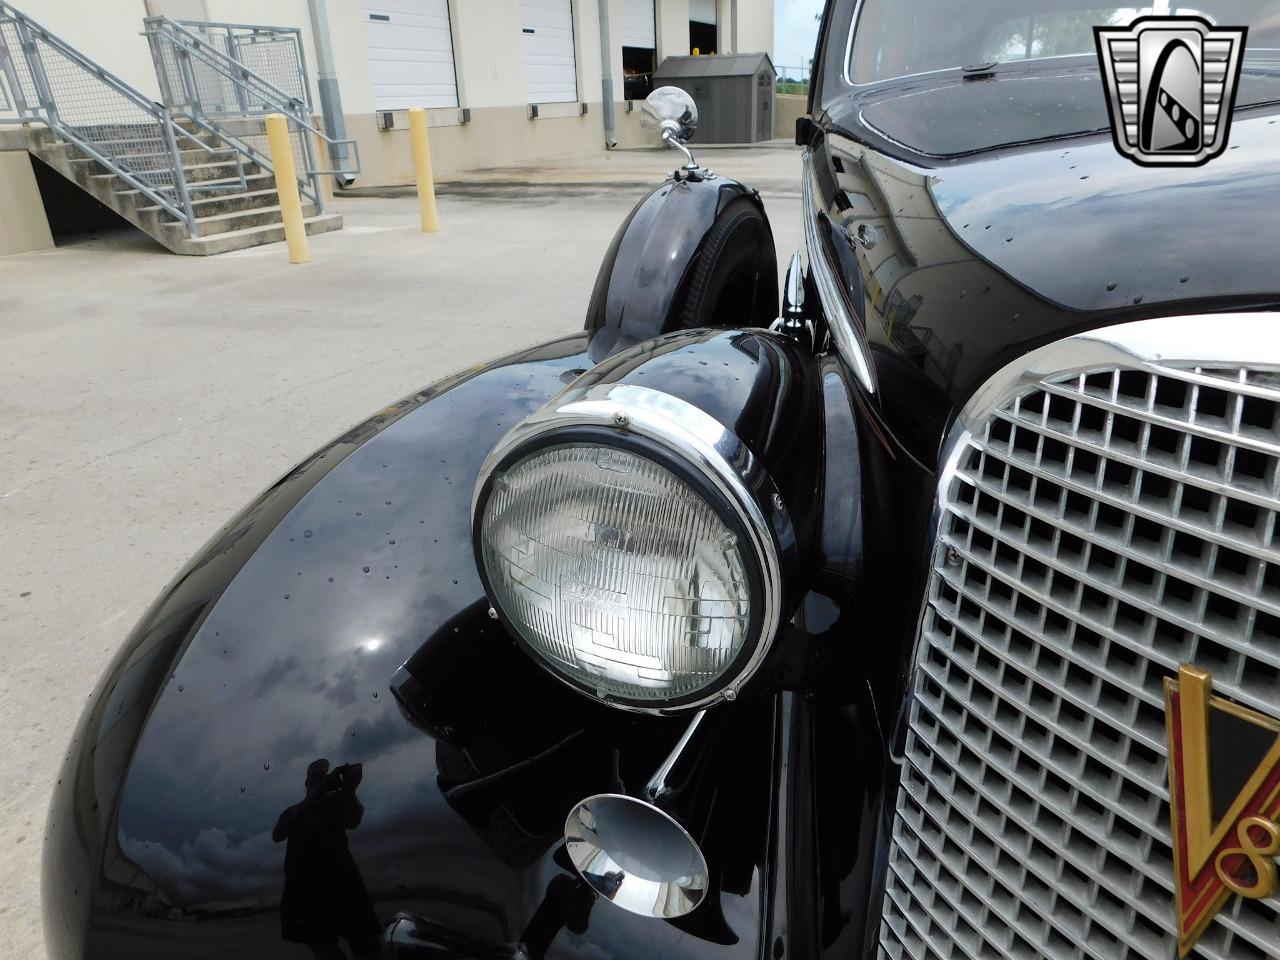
point(956, 268)
point(1084, 227)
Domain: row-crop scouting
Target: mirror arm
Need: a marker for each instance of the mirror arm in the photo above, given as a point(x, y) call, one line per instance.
point(676, 143)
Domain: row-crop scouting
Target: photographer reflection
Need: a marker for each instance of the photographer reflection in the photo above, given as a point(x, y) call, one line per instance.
point(324, 899)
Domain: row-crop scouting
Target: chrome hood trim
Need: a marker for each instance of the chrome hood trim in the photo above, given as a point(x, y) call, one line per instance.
point(843, 327)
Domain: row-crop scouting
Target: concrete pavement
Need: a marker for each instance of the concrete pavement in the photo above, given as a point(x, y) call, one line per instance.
point(145, 397)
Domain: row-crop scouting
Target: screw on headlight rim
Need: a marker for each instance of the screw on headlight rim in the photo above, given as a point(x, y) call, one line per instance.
point(953, 556)
point(493, 614)
point(620, 419)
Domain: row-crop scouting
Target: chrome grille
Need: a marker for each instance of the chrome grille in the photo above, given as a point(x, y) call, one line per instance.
point(1097, 526)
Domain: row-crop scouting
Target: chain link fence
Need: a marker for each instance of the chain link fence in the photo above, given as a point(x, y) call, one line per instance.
point(793, 80)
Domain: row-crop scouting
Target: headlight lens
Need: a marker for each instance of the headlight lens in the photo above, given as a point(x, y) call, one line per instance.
point(621, 576)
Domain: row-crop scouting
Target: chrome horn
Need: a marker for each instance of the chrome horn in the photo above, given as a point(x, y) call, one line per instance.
point(670, 114)
point(639, 852)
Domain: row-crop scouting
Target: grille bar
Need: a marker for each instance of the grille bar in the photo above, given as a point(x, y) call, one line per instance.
point(1108, 807)
point(1245, 590)
point(1046, 926)
point(1042, 726)
point(1102, 518)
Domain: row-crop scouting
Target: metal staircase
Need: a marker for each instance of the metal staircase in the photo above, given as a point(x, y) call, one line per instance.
point(198, 181)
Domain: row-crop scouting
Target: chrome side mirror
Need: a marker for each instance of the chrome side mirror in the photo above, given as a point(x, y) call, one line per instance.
point(671, 117)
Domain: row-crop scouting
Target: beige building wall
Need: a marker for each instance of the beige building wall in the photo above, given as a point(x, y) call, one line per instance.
point(788, 108)
point(23, 224)
point(755, 26)
point(488, 65)
point(109, 31)
point(673, 28)
point(487, 62)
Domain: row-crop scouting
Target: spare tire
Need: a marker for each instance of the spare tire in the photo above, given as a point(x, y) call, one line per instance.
point(733, 272)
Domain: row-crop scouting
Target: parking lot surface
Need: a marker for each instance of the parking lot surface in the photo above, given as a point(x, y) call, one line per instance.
point(145, 397)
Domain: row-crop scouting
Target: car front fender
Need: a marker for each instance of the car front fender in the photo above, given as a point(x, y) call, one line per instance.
point(646, 274)
point(279, 645)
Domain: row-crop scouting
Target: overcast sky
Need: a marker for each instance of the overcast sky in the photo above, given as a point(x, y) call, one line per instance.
point(794, 31)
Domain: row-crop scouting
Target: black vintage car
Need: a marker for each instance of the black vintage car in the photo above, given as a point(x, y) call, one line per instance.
point(934, 613)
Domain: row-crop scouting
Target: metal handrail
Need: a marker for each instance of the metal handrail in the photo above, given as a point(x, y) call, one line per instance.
point(136, 122)
point(236, 34)
point(179, 53)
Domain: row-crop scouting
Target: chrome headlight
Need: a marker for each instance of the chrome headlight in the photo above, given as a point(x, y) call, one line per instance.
point(631, 544)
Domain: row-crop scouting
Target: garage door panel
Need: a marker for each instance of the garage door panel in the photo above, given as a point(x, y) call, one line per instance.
point(550, 66)
point(410, 53)
point(406, 75)
point(637, 26)
point(702, 11)
point(391, 38)
point(398, 53)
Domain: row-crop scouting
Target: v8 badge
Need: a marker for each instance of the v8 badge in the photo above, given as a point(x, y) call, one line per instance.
point(1224, 785)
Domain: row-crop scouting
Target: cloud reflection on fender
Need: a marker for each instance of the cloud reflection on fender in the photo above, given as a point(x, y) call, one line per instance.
point(281, 673)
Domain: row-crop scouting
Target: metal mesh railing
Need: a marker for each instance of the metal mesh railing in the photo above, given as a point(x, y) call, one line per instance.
point(273, 53)
point(109, 121)
point(210, 72)
point(196, 62)
point(16, 68)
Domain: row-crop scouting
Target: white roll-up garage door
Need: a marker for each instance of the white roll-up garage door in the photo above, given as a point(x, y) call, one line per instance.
point(550, 69)
point(702, 11)
point(636, 24)
point(410, 53)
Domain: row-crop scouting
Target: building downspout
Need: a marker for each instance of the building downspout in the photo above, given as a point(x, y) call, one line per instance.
point(335, 124)
point(606, 75)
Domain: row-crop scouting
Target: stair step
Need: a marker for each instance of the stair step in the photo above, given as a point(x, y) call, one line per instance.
point(189, 125)
point(148, 161)
point(216, 170)
point(195, 174)
point(219, 170)
point(252, 237)
point(235, 220)
point(49, 140)
point(206, 190)
point(260, 180)
point(231, 215)
point(194, 160)
point(228, 202)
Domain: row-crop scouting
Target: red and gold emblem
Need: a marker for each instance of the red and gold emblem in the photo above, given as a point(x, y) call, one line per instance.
point(1224, 785)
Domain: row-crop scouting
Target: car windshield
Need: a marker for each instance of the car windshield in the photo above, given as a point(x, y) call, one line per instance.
point(897, 38)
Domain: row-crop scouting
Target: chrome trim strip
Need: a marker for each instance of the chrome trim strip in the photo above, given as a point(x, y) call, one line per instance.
point(1152, 345)
point(825, 277)
point(699, 440)
point(848, 49)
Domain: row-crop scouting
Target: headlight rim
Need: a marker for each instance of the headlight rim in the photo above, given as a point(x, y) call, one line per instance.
point(701, 452)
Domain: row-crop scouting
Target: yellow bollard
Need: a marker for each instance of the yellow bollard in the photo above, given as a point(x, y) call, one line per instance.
point(295, 231)
point(422, 167)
